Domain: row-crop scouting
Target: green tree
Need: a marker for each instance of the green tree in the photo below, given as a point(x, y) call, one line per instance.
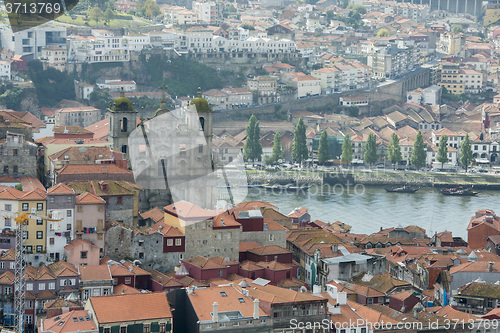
point(277, 149)
point(358, 8)
point(248, 27)
point(418, 156)
point(442, 154)
point(51, 85)
point(394, 150)
point(100, 99)
point(299, 149)
point(109, 15)
point(383, 33)
point(456, 28)
point(151, 9)
point(346, 156)
point(324, 149)
point(96, 14)
point(466, 152)
point(252, 149)
point(354, 111)
point(370, 153)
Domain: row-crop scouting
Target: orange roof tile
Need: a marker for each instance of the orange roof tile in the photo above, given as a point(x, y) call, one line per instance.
point(87, 198)
point(60, 189)
point(94, 273)
point(69, 322)
point(132, 307)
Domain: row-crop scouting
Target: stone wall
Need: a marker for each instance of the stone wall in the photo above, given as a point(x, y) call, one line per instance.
point(267, 237)
point(203, 240)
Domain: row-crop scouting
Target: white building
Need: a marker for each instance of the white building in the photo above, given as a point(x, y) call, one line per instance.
point(209, 12)
point(306, 85)
point(5, 73)
point(29, 43)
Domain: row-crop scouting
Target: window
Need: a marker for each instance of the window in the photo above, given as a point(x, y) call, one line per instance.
point(41, 286)
point(83, 254)
point(141, 255)
point(14, 152)
point(39, 248)
point(69, 199)
point(68, 213)
point(178, 242)
point(68, 226)
point(107, 330)
point(86, 294)
point(39, 206)
point(39, 235)
point(29, 286)
point(8, 208)
point(170, 242)
point(128, 280)
point(162, 328)
point(271, 238)
point(39, 221)
point(8, 222)
point(123, 329)
point(51, 241)
point(146, 328)
point(119, 200)
point(52, 286)
point(79, 209)
point(25, 207)
point(29, 249)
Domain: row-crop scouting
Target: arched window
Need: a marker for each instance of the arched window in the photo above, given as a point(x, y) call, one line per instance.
point(124, 125)
point(202, 123)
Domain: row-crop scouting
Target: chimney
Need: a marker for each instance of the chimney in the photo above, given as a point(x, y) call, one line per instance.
point(215, 315)
point(316, 289)
point(342, 298)
point(256, 308)
point(490, 266)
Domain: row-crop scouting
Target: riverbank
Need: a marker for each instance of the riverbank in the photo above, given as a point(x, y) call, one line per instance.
point(377, 178)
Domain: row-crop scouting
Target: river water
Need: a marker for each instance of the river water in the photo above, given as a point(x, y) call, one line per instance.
point(367, 209)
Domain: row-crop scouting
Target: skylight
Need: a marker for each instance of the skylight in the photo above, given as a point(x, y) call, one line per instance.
point(223, 293)
point(241, 300)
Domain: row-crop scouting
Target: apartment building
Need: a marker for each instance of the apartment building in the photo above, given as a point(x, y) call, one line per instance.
point(209, 12)
point(458, 80)
point(54, 56)
point(392, 61)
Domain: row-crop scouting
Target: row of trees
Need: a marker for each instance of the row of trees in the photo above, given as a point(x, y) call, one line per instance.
point(253, 148)
point(418, 156)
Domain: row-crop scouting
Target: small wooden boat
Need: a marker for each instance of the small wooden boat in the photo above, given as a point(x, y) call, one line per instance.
point(459, 191)
point(403, 189)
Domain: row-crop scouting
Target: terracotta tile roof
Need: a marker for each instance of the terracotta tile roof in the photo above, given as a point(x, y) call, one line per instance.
point(87, 198)
point(46, 295)
point(225, 220)
point(164, 280)
point(94, 273)
point(86, 154)
point(76, 169)
point(100, 129)
point(155, 214)
point(364, 290)
point(250, 266)
point(269, 250)
point(401, 295)
point(298, 212)
point(228, 299)
point(63, 268)
point(10, 193)
point(273, 225)
point(61, 189)
point(209, 263)
point(7, 278)
point(245, 246)
point(277, 295)
point(77, 243)
point(36, 195)
point(136, 269)
point(189, 211)
point(475, 266)
point(62, 303)
point(451, 314)
point(254, 205)
point(133, 307)
point(480, 289)
point(69, 322)
point(31, 183)
point(384, 283)
point(167, 230)
point(123, 289)
point(273, 265)
point(70, 130)
point(370, 315)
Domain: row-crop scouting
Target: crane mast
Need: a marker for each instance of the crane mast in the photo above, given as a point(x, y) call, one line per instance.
point(20, 273)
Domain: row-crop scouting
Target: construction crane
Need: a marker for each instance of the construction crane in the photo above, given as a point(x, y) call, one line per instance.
point(22, 220)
